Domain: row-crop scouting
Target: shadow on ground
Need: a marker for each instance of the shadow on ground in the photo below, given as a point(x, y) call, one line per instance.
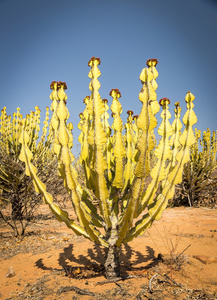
point(130, 260)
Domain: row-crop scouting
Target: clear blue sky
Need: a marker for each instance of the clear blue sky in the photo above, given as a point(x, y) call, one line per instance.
point(46, 40)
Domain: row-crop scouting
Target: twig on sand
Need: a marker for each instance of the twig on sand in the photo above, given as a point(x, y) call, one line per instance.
point(165, 276)
point(183, 251)
point(75, 289)
point(150, 281)
point(173, 281)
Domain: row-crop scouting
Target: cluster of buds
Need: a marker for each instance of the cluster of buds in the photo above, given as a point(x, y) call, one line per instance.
point(116, 91)
point(164, 101)
point(58, 88)
point(57, 85)
point(93, 59)
point(130, 112)
point(152, 62)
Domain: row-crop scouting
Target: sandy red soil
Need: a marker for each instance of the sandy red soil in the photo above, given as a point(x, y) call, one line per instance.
point(51, 257)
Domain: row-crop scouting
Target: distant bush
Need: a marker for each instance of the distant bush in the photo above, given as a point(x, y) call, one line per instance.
point(199, 185)
point(18, 199)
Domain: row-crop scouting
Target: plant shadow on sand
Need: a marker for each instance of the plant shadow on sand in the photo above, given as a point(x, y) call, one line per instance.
point(94, 261)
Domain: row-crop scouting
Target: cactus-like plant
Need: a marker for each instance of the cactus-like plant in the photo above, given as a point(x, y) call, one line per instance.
point(198, 172)
point(18, 200)
point(116, 164)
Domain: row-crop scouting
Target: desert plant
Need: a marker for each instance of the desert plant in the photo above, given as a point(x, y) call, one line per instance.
point(115, 165)
point(18, 199)
point(198, 172)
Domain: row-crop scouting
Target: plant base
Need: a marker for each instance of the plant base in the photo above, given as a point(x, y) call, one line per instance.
point(112, 263)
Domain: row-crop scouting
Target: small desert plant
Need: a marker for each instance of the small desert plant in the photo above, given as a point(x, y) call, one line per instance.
point(116, 165)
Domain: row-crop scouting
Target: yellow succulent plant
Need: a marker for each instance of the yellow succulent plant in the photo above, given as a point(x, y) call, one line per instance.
point(116, 162)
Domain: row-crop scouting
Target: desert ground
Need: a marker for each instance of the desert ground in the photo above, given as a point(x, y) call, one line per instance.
point(175, 259)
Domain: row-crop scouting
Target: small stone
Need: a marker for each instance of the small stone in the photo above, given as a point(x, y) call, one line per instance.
point(10, 273)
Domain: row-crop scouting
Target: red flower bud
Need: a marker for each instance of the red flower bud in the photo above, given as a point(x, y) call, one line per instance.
point(52, 84)
point(92, 59)
point(60, 83)
point(152, 62)
point(116, 90)
point(163, 100)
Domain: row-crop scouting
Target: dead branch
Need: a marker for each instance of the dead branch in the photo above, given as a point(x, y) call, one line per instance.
point(150, 281)
point(75, 289)
point(183, 251)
